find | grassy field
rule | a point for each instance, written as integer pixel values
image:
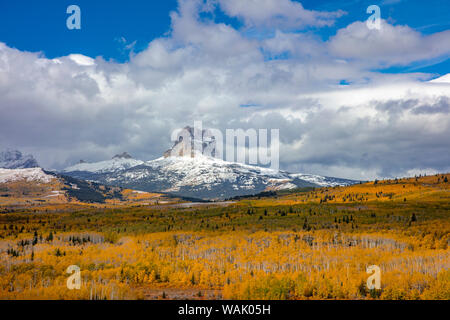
(311, 244)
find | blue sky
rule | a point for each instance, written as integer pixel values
(350, 101)
(40, 25)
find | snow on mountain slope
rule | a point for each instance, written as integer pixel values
(443, 79)
(204, 177)
(202, 170)
(206, 170)
(29, 174)
(201, 177)
(116, 164)
(195, 173)
(321, 180)
(14, 159)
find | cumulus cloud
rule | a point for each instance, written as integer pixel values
(389, 137)
(75, 107)
(280, 14)
(391, 45)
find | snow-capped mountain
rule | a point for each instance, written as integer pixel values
(321, 180)
(14, 159)
(196, 177)
(184, 173)
(29, 174)
(117, 163)
(192, 142)
(444, 79)
(37, 186)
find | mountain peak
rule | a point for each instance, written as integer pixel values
(14, 159)
(192, 142)
(123, 155)
(442, 79)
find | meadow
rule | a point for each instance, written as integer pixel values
(308, 244)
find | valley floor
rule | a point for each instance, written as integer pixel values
(307, 245)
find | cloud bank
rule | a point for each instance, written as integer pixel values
(377, 125)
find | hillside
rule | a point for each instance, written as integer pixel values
(306, 244)
(422, 188)
(34, 187)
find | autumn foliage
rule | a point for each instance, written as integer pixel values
(295, 246)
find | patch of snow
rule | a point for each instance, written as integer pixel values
(285, 186)
(55, 193)
(321, 180)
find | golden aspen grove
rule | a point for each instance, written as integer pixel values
(307, 244)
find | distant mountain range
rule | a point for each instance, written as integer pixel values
(14, 159)
(179, 173)
(194, 175)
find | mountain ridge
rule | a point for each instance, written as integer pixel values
(118, 162)
(14, 159)
(200, 177)
(39, 187)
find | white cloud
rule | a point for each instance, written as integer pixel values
(391, 45)
(75, 107)
(280, 14)
(81, 59)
